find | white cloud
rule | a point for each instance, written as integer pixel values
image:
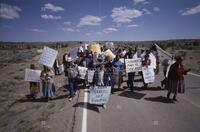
(191, 11)
(9, 11)
(36, 30)
(45, 16)
(52, 7)
(132, 25)
(99, 33)
(146, 11)
(67, 23)
(140, 1)
(88, 34)
(125, 15)
(110, 30)
(90, 20)
(156, 9)
(67, 29)
(77, 30)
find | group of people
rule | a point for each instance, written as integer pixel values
(108, 71)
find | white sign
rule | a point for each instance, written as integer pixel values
(133, 65)
(109, 45)
(153, 60)
(99, 94)
(48, 56)
(82, 71)
(90, 75)
(32, 75)
(148, 74)
(73, 53)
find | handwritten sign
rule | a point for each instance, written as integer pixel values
(73, 53)
(109, 53)
(48, 56)
(99, 94)
(90, 75)
(82, 71)
(32, 75)
(148, 74)
(133, 65)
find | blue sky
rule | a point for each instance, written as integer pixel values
(90, 20)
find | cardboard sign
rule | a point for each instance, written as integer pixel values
(148, 74)
(90, 75)
(48, 57)
(95, 48)
(82, 71)
(99, 94)
(109, 53)
(32, 75)
(133, 65)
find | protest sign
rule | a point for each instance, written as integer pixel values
(109, 45)
(148, 74)
(95, 48)
(48, 56)
(153, 60)
(82, 71)
(32, 75)
(99, 94)
(109, 53)
(73, 53)
(133, 65)
(90, 75)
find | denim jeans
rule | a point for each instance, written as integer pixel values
(72, 86)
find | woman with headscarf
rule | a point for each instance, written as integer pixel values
(176, 82)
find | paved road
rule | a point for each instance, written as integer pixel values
(145, 110)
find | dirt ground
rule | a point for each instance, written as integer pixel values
(17, 113)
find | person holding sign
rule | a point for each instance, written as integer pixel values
(146, 62)
(130, 55)
(48, 82)
(101, 78)
(34, 86)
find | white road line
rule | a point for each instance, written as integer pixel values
(84, 119)
(197, 75)
(196, 105)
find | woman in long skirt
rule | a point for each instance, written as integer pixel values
(176, 82)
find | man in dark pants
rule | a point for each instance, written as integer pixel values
(129, 55)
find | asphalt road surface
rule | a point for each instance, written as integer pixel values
(145, 110)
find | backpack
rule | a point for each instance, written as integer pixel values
(72, 72)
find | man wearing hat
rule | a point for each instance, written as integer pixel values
(71, 72)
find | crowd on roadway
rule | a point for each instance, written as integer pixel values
(109, 70)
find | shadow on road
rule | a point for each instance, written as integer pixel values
(159, 99)
(134, 95)
(87, 106)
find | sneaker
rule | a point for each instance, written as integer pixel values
(104, 106)
(70, 99)
(75, 93)
(175, 99)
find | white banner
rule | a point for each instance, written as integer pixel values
(32, 75)
(148, 74)
(82, 71)
(99, 94)
(90, 75)
(48, 56)
(133, 65)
